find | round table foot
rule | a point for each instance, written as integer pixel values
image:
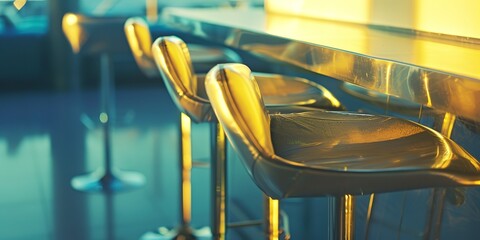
(100, 181)
(184, 233)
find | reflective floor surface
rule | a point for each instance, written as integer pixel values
(47, 138)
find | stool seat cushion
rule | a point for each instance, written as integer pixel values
(342, 141)
(335, 153)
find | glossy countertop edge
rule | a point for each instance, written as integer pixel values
(435, 72)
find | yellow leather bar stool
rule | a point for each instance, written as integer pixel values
(101, 37)
(327, 153)
(282, 93)
(139, 38)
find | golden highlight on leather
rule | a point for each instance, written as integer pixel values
(73, 32)
(360, 153)
(140, 42)
(248, 94)
(181, 65)
(173, 61)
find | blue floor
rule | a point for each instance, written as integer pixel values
(48, 138)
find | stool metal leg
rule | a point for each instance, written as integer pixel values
(368, 221)
(272, 216)
(185, 171)
(343, 224)
(184, 231)
(219, 183)
(106, 179)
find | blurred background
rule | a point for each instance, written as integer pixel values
(49, 133)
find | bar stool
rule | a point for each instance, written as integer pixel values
(139, 39)
(187, 91)
(102, 37)
(326, 153)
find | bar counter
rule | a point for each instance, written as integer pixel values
(437, 71)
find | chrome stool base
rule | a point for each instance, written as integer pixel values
(101, 181)
(183, 233)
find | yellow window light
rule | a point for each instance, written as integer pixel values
(19, 4)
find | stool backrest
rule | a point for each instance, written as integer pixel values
(236, 99)
(139, 39)
(173, 60)
(93, 35)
